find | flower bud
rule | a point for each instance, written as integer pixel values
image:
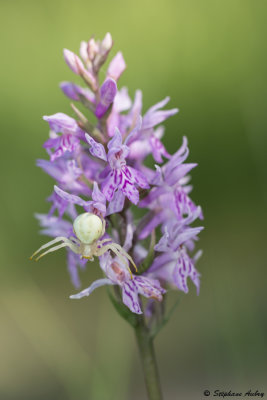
(107, 94)
(73, 61)
(106, 43)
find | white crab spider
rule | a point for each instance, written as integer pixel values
(89, 228)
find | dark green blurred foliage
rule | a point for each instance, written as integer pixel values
(210, 57)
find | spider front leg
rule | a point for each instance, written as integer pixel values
(102, 250)
(121, 249)
(66, 243)
(100, 242)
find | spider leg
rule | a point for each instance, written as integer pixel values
(57, 239)
(103, 226)
(72, 246)
(74, 239)
(103, 249)
(104, 240)
(121, 249)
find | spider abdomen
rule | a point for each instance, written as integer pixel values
(88, 227)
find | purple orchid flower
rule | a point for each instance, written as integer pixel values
(174, 265)
(118, 274)
(169, 198)
(62, 206)
(118, 176)
(66, 143)
(66, 173)
(61, 122)
(96, 206)
(148, 139)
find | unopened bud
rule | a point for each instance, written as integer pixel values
(73, 61)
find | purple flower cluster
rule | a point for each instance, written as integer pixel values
(98, 165)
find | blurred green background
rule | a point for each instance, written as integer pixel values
(210, 57)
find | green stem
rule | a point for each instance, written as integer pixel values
(147, 353)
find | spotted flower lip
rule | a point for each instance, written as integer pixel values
(61, 144)
(119, 176)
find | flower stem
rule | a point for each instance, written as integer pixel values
(147, 353)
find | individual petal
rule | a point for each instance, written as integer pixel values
(107, 94)
(122, 101)
(74, 262)
(96, 149)
(177, 158)
(184, 236)
(116, 66)
(74, 92)
(115, 144)
(164, 242)
(179, 172)
(130, 296)
(153, 196)
(162, 261)
(154, 116)
(183, 204)
(57, 204)
(184, 269)
(135, 129)
(97, 195)
(158, 149)
(116, 204)
(137, 177)
(109, 185)
(149, 288)
(136, 109)
(90, 289)
(71, 198)
(139, 149)
(127, 186)
(52, 169)
(158, 177)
